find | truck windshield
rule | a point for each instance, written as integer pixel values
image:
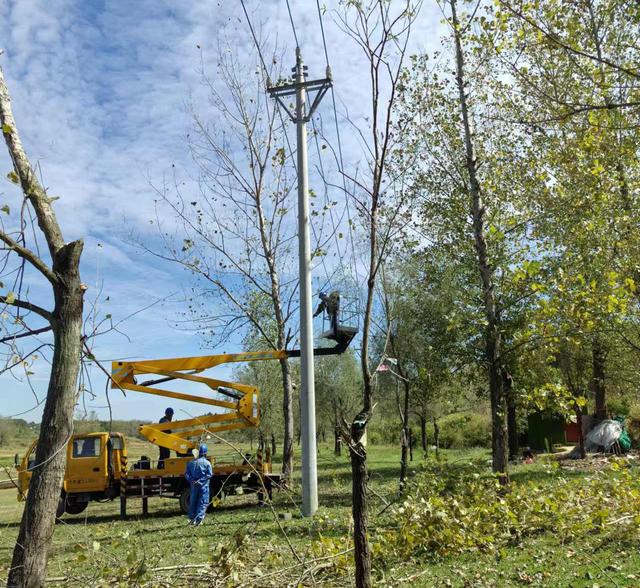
(86, 447)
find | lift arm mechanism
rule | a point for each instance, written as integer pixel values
(240, 403)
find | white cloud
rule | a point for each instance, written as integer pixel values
(99, 91)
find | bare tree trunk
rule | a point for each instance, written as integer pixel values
(29, 563)
(337, 439)
(492, 334)
(512, 421)
(411, 441)
(436, 437)
(580, 422)
(512, 426)
(423, 434)
(357, 451)
(383, 36)
(287, 411)
(274, 444)
(598, 378)
(362, 552)
(405, 435)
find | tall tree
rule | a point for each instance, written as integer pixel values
(425, 340)
(381, 30)
(338, 386)
(485, 267)
(236, 237)
(576, 89)
(62, 274)
(469, 179)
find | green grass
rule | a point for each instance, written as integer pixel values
(97, 544)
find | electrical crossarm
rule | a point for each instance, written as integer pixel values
(239, 401)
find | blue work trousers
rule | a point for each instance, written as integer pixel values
(198, 501)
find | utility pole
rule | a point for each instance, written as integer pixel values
(301, 117)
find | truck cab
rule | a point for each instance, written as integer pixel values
(92, 472)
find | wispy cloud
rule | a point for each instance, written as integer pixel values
(99, 91)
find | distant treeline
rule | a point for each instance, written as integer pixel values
(20, 432)
(13, 431)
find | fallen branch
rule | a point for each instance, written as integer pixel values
(304, 563)
(181, 567)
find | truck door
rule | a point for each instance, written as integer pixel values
(25, 471)
(86, 464)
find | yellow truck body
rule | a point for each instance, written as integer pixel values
(98, 469)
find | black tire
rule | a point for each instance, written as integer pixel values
(75, 508)
(185, 499)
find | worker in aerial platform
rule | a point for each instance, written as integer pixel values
(198, 474)
(164, 452)
(331, 304)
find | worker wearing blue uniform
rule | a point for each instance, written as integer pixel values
(198, 474)
(164, 452)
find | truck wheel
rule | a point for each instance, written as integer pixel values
(74, 508)
(185, 496)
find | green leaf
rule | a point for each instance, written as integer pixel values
(6, 129)
(5, 209)
(13, 177)
(10, 298)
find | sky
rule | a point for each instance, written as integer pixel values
(101, 91)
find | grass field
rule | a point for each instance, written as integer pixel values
(245, 544)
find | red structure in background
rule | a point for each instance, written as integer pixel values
(572, 432)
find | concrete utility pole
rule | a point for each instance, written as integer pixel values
(301, 117)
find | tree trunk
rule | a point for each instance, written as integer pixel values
(598, 378)
(274, 444)
(337, 441)
(404, 457)
(423, 434)
(512, 427)
(583, 451)
(498, 426)
(512, 421)
(287, 411)
(436, 437)
(362, 553)
(411, 442)
(492, 333)
(29, 564)
(404, 436)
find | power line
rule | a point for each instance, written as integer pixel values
(324, 40)
(318, 237)
(340, 156)
(335, 115)
(255, 39)
(293, 26)
(266, 73)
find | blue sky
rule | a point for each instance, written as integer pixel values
(100, 92)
